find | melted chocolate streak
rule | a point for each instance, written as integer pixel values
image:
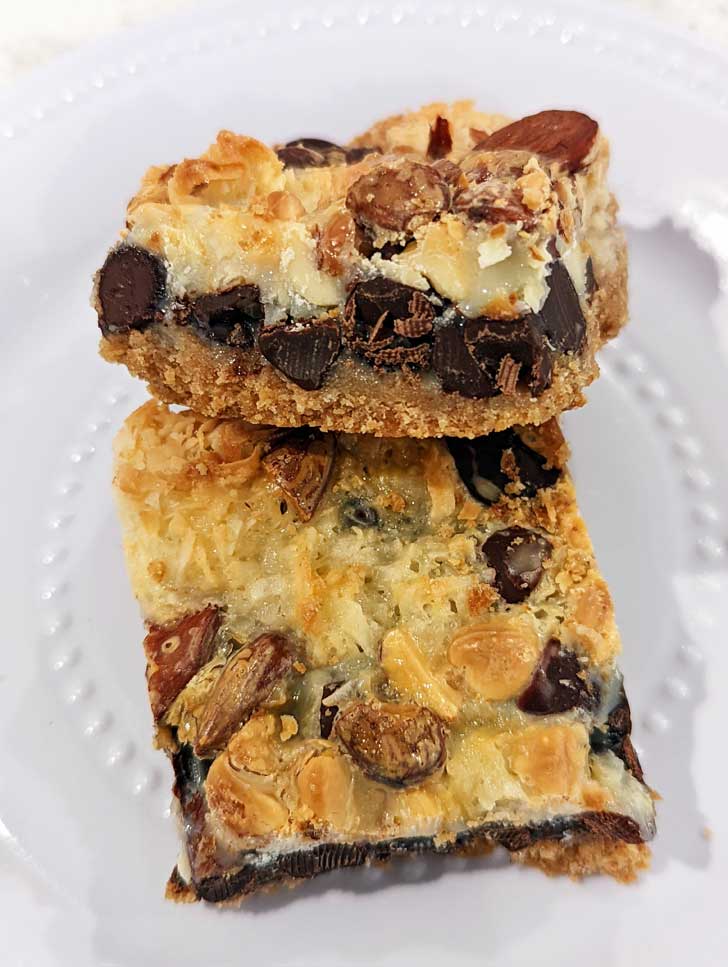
(251, 874)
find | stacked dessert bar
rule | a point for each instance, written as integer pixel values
(375, 622)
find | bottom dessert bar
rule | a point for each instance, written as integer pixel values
(362, 648)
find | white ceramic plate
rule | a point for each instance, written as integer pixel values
(86, 843)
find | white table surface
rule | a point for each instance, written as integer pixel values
(32, 32)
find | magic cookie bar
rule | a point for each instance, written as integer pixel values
(447, 273)
(359, 648)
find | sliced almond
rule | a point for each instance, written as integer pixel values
(564, 136)
(246, 681)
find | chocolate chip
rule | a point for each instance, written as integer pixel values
(302, 351)
(131, 288)
(390, 249)
(398, 197)
(564, 136)
(512, 353)
(327, 713)
(318, 153)
(440, 143)
(482, 467)
(389, 323)
(561, 319)
(357, 512)
(517, 555)
(311, 153)
(558, 684)
(230, 316)
(455, 365)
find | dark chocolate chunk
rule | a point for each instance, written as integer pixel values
(513, 353)
(561, 319)
(389, 323)
(327, 713)
(357, 512)
(228, 317)
(190, 771)
(612, 826)
(390, 249)
(564, 136)
(302, 351)
(440, 143)
(628, 755)
(558, 684)
(455, 365)
(398, 197)
(131, 288)
(517, 555)
(318, 153)
(484, 357)
(614, 736)
(481, 465)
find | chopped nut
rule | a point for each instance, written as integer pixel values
(244, 684)
(253, 748)
(157, 570)
(285, 206)
(289, 727)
